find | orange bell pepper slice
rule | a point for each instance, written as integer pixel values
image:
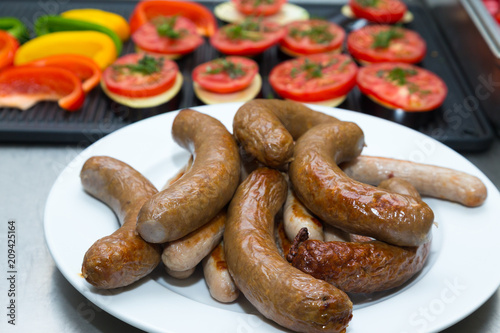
(200, 15)
(23, 86)
(84, 67)
(8, 48)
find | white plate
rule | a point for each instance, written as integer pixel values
(458, 278)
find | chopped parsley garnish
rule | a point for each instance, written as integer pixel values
(384, 38)
(248, 29)
(223, 65)
(399, 76)
(165, 26)
(147, 65)
(318, 34)
(312, 69)
(368, 3)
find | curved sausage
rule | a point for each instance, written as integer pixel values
(346, 204)
(189, 251)
(267, 128)
(358, 267)
(219, 281)
(181, 275)
(429, 180)
(123, 257)
(204, 190)
(280, 292)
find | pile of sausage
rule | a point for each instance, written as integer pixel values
(284, 162)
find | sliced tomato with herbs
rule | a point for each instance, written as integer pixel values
(386, 43)
(200, 15)
(314, 78)
(140, 75)
(402, 86)
(23, 86)
(312, 36)
(225, 75)
(250, 37)
(8, 48)
(84, 67)
(258, 7)
(379, 11)
(173, 35)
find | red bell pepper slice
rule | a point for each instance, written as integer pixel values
(84, 67)
(200, 15)
(8, 47)
(22, 87)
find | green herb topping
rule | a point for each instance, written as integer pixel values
(399, 76)
(318, 34)
(223, 65)
(147, 65)
(312, 69)
(368, 3)
(165, 26)
(384, 38)
(248, 29)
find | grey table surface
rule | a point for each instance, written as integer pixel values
(46, 302)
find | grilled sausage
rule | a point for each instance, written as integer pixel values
(267, 128)
(181, 275)
(296, 216)
(189, 251)
(346, 204)
(429, 180)
(362, 265)
(204, 190)
(123, 257)
(280, 292)
(219, 281)
(358, 267)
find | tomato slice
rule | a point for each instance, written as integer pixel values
(201, 16)
(23, 86)
(379, 11)
(312, 36)
(8, 48)
(385, 43)
(314, 78)
(225, 75)
(258, 7)
(82, 66)
(173, 35)
(402, 86)
(250, 37)
(120, 79)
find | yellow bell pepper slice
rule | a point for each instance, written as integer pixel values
(93, 44)
(110, 20)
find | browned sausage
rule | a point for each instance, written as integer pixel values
(280, 292)
(429, 180)
(123, 257)
(358, 267)
(188, 251)
(267, 128)
(346, 204)
(219, 280)
(206, 187)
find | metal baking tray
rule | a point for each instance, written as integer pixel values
(458, 123)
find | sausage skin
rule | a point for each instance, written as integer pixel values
(123, 257)
(219, 280)
(429, 180)
(358, 267)
(349, 205)
(188, 251)
(267, 128)
(280, 292)
(204, 189)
